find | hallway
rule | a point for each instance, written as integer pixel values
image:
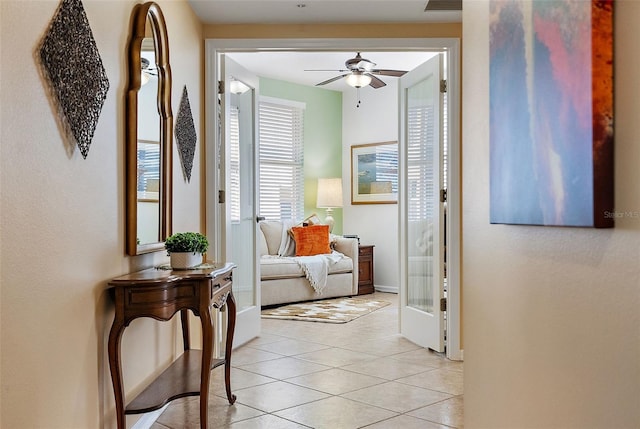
(331, 376)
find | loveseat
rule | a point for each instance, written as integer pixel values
(285, 278)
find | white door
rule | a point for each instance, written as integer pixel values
(238, 174)
(421, 222)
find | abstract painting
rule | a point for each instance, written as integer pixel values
(551, 112)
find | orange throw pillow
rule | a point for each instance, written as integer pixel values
(311, 240)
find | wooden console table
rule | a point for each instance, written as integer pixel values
(160, 294)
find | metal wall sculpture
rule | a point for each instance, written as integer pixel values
(186, 134)
(73, 68)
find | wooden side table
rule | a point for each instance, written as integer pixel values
(160, 294)
(365, 269)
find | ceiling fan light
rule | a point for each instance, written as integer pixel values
(237, 87)
(144, 78)
(358, 79)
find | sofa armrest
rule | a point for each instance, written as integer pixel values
(349, 247)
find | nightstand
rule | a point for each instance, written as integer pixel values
(365, 269)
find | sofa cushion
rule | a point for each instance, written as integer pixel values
(272, 268)
(262, 243)
(311, 240)
(272, 230)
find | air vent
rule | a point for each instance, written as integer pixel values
(442, 5)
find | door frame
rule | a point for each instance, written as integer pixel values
(454, 224)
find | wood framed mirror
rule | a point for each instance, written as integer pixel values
(148, 128)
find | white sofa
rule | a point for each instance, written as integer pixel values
(283, 280)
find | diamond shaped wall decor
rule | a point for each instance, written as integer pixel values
(186, 134)
(73, 68)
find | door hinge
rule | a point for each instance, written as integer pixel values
(443, 85)
(221, 87)
(443, 304)
(221, 197)
(443, 195)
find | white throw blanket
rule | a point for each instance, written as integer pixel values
(316, 268)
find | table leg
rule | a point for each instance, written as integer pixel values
(184, 320)
(205, 369)
(231, 326)
(115, 365)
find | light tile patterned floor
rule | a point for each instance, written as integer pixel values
(320, 375)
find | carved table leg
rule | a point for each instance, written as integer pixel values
(184, 320)
(205, 369)
(231, 326)
(115, 365)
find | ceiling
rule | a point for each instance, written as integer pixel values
(325, 11)
(291, 66)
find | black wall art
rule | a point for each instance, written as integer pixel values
(186, 134)
(73, 68)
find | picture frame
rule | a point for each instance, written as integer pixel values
(374, 173)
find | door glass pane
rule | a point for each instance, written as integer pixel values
(240, 197)
(422, 189)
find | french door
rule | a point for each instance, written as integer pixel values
(421, 222)
(238, 160)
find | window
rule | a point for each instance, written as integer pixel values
(281, 159)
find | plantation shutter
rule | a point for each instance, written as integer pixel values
(234, 164)
(420, 174)
(281, 159)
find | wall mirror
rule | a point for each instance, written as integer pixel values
(148, 125)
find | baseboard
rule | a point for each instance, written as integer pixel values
(147, 420)
(388, 289)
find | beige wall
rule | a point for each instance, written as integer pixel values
(62, 228)
(293, 31)
(552, 332)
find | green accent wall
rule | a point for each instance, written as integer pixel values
(322, 137)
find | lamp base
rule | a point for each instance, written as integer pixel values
(328, 219)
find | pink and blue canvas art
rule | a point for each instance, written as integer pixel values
(551, 112)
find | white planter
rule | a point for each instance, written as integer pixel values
(183, 260)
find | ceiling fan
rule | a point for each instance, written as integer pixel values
(360, 72)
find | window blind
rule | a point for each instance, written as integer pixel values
(281, 161)
(420, 173)
(234, 165)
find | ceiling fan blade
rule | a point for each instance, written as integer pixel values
(383, 72)
(333, 79)
(375, 82)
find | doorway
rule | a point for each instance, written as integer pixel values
(451, 46)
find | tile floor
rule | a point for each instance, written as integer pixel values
(361, 374)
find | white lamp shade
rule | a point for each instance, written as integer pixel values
(358, 80)
(329, 193)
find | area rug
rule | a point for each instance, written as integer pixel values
(338, 310)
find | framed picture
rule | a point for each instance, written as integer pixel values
(374, 173)
(551, 113)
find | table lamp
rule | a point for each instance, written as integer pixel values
(329, 197)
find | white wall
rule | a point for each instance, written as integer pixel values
(551, 315)
(375, 121)
(62, 225)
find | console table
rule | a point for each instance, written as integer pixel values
(160, 294)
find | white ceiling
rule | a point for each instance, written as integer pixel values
(318, 11)
(291, 66)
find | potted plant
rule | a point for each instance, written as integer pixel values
(186, 249)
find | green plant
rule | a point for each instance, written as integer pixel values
(186, 242)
